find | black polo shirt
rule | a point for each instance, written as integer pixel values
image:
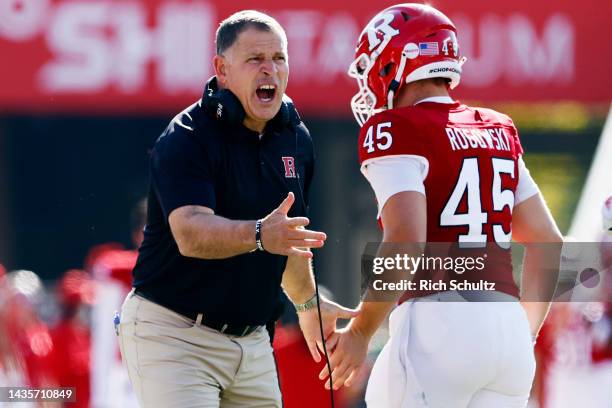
(199, 160)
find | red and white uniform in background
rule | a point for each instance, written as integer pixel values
(71, 359)
(575, 344)
(71, 336)
(602, 328)
(28, 338)
(111, 267)
(12, 371)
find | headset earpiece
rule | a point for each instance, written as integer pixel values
(289, 113)
(222, 104)
(228, 107)
(283, 113)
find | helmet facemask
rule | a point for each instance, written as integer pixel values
(363, 102)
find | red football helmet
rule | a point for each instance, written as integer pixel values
(402, 44)
(75, 288)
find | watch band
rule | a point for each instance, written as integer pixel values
(309, 304)
(258, 236)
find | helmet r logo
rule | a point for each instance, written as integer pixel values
(383, 26)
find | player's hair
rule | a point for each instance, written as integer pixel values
(230, 28)
(440, 81)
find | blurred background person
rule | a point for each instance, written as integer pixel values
(111, 267)
(11, 365)
(29, 336)
(70, 356)
(575, 347)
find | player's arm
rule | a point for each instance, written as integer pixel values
(534, 226)
(404, 218)
(398, 183)
(199, 233)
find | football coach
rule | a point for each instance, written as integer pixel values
(229, 184)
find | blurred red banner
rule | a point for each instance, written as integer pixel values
(153, 56)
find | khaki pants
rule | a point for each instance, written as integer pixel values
(173, 361)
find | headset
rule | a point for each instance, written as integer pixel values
(224, 106)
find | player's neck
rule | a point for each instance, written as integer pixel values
(417, 91)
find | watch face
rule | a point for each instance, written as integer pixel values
(309, 304)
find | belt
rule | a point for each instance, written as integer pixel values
(239, 330)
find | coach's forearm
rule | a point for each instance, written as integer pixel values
(209, 236)
(298, 281)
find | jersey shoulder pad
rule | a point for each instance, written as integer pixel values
(506, 122)
(493, 116)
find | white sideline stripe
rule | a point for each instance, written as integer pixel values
(586, 223)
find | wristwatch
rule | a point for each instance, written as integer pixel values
(309, 304)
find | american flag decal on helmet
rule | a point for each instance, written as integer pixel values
(429, 48)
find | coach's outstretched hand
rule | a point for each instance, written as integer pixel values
(309, 323)
(283, 235)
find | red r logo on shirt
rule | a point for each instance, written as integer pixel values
(289, 163)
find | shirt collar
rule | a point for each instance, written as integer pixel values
(437, 99)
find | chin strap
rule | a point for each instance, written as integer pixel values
(395, 83)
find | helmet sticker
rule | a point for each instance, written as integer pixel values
(411, 50)
(376, 25)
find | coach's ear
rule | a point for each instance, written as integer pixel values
(220, 68)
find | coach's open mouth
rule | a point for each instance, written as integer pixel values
(266, 93)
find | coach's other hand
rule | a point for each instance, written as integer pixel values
(283, 235)
(309, 323)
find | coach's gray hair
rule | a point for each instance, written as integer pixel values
(231, 27)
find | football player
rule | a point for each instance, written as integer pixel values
(442, 171)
